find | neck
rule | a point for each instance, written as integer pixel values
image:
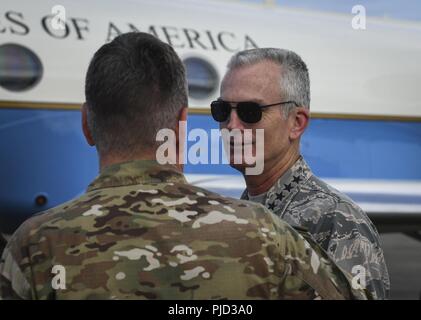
(108, 159)
(273, 170)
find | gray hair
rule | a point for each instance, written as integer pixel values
(295, 81)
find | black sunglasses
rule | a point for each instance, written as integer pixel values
(248, 112)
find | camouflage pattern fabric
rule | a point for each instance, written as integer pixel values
(335, 222)
(142, 232)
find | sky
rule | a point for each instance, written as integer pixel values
(403, 10)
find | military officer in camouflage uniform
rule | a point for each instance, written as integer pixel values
(141, 231)
(269, 89)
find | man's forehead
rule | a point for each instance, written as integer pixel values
(258, 68)
(261, 76)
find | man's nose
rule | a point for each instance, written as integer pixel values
(234, 121)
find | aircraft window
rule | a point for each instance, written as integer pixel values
(20, 68)
(202, 78)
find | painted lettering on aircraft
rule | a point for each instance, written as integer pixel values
(77, 28)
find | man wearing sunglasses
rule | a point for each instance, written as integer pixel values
(269, 89)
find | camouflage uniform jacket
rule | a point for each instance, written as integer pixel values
(334, 221)
(142, 232)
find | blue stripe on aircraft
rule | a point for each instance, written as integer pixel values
(357, 149)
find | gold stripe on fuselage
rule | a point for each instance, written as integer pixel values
(205, 111)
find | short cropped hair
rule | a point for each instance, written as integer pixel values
(135, 86)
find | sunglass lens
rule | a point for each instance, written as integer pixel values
(220, 110)
(249, 112)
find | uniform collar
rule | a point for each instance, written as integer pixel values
(136, 172)
(286, 186)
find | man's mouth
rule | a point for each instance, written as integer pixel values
(242, 144)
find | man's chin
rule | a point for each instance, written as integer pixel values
(241, 167)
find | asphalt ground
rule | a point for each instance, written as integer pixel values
(403, 258)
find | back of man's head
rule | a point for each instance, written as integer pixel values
(135, 86)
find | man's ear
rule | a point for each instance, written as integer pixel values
(300, 119)
(180, 134)
(182, 116)
(85, 128)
